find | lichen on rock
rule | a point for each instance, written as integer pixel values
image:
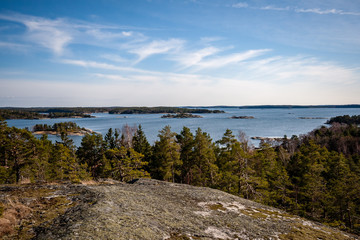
(151, 209)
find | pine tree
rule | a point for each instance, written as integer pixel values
(186, 142)
(18, 152)
(140, 143)
(126, 164)
(205, 170)
(91, 152)
(42, 156)
(110, 140)
(166, 163)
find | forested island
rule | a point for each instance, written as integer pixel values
(316, 176)
(154, 110)
(68, 128)
(346, 119)
(29, 114)
(181, 115)
(42, 113)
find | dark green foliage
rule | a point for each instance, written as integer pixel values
(181, 115)
(18, 114)
(316, 176)
(345, 119)
(91, 152)
(78, 112)
(126, 164)
(17, 153)
(67, 115)
(111, 139)
(166, 163)
(186, 142)
(340, 138)
(58, 127)
(141, 145)
(205, 169)
(30, 113)
(143, 110)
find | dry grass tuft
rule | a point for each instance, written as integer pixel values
(25, 181)
(14, 212)
(89, 182)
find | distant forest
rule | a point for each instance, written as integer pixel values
(79, 112)
(316, 176)
(85, 112)
(301, 106)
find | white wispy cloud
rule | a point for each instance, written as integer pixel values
(298, 10)
(14, 46)
(235, 58)
(275, 8)
(110, 77)
(50, 34)
(57, 34)
(193, 58)
(326, 11)
(272, 80)
(240, 5)
(101, 65)
(157, 47)
(113, 58)
(301, 69)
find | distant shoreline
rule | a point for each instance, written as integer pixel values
(211, 106)
(281, 106)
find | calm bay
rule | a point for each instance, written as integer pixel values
(275, 122)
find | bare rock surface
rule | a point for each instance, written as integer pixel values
(151, 209)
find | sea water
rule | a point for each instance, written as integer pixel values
(266, 122)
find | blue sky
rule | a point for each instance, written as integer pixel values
(178, 53)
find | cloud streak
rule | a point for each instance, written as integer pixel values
(157, 47)
(51, 34)
(57, 34)
(326, 11)
(240, 5)
(297, 9)
(207, 59)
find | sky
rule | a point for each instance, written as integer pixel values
(179, 52)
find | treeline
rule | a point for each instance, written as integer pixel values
(153, 110)
(67, 115)
(316, 176)
(29, 114)
(18, 114)
(345, 119)
(40, 113)
(299, 106)
(62, 127)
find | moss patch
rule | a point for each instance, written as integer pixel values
(300, 232)
(216, 207)
(1, 209)
(178, 236)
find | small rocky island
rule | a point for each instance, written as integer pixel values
(242, 117)
(181, 115)
(312, 118)
(69, 128)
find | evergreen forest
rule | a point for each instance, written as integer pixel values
(316, 175)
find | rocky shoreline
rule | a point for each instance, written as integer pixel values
(82, 132)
